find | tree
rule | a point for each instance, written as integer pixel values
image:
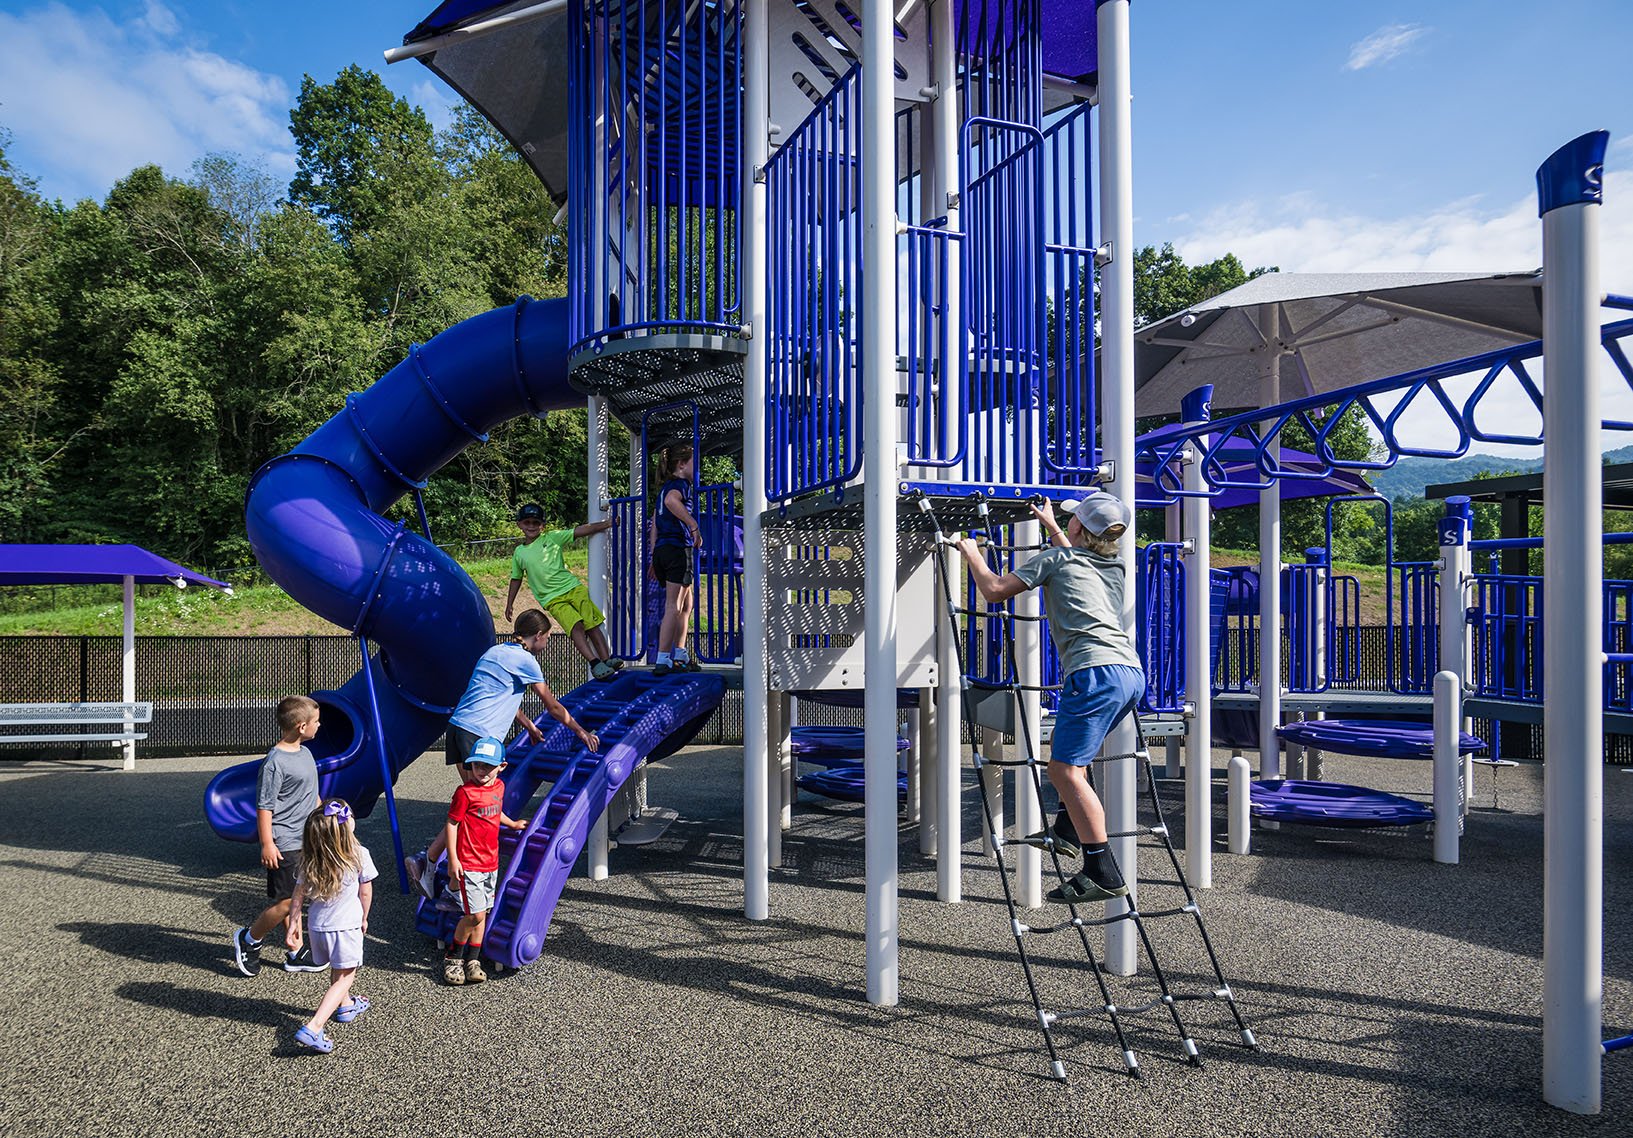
(1164, 284)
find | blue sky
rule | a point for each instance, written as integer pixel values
(1340, 131)
(1315, 136)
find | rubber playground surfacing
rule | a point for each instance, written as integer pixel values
(1391, 996)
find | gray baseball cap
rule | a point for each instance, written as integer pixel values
(1099, 512)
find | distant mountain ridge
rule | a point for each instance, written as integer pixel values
(1409, 476)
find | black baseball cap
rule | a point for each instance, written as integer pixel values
(530, 512)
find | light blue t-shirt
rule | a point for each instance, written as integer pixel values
(489, 704)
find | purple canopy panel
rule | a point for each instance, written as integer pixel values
(93, 564)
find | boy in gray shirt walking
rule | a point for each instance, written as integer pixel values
(1103, 678)
(285, 794)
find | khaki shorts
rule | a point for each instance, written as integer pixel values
(574, 607)
(476, 891)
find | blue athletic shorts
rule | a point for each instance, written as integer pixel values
(1091, 703)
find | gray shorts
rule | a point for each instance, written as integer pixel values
(342, 948)
(476, 891)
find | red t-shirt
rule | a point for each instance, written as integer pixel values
(476, 810)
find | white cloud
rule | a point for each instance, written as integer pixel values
(1298, 234)
(89, 98)
(1383, 45)
(435, 100)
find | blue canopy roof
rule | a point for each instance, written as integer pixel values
(93, 564)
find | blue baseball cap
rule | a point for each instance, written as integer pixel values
(488, 751)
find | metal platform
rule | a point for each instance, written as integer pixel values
(668, 370)
(956, 506)
(1391, 703)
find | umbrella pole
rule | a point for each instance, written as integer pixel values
(1270, 566)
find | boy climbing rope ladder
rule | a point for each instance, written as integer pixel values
(1083, 587)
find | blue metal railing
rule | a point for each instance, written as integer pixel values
(718, 613)
(1417, 616)
(1319, 415)
(814, 218)
(1159, 626)
(1070, 452)
(1506, 624)
(1237, 668)
(654, 134)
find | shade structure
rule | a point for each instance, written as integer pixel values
(1239, 459)
(516, 75)
(1334, 330)
(94, 564)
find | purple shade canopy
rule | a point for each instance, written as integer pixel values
(1240, 463)
(91, 565)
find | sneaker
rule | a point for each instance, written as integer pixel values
(603, 671)
(302, 961)
(689, 664)
(349, 1011)
(453, 971)
(421, 875)
(246, 955)
(474, 973)
(448, 901)
(662, 668)
(318, 1041)
(1065, 844)
(1081, 889)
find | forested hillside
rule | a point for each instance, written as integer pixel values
(158, 346)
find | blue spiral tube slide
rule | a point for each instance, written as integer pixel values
(314, 521)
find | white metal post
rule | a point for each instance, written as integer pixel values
(1448, 789)
(127, 667)
(756, 766)
(879, 494)
(1117, 413)
(929, 728)
(777, 736)
(1198, 676)
(1569, 190)
(1028, 725)
(949, 777)
(1455, 570)
(596, 580)
(1270, 565)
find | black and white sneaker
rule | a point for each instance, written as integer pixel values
(302, 961)
(246, 954)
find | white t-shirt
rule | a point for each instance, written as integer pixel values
(344, 910)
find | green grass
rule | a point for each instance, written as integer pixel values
(253, 610)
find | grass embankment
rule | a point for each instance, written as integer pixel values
(266, 610)
(257, 610)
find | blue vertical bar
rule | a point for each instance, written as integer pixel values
(386, 777)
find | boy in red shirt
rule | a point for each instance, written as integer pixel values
(474, 818)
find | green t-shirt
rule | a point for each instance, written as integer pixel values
(540, 563)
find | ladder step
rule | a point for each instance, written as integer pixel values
(996, 614)
(1158, 914)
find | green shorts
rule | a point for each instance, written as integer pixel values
(574, 607)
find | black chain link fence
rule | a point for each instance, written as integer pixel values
(215, 695)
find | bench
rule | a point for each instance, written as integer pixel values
(74, 715)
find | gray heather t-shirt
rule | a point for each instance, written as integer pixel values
(1083, 598)
(287, 786)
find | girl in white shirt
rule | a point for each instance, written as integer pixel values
(337, 877)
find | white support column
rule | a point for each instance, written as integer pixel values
(879, 496)
(1028, 724)
(1455, 569)
(777, 734)
(929, 736)
(1198, 676)
(949, 742)
(596, 579)
(1569, 189)
(1447, 785)
(1117, 412)
(127, 666)
(756, 766)
(1270, 564)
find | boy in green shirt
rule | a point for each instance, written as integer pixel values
(558, 591)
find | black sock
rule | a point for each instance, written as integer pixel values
(1101, 866)
(456, 951)
(1063, 825)
(473, 950)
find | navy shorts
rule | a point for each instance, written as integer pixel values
(672, 564)
(1092, 701)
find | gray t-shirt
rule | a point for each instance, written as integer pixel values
(1083, 598)
(287, 786)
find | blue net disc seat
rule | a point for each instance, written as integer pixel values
(831, 746)
(1334, 804)
(845, 781)
(1377, 738)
